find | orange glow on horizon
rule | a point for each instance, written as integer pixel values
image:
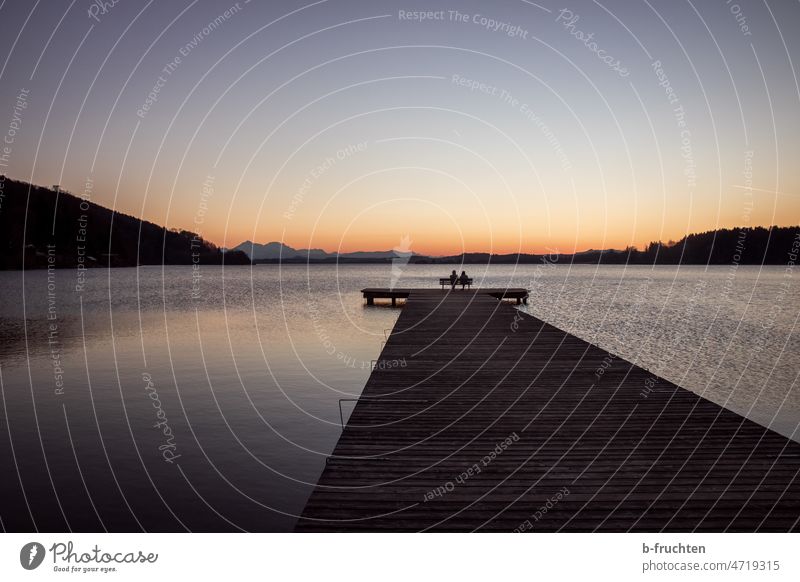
(436, 247)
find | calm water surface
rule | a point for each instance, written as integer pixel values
(159, 400)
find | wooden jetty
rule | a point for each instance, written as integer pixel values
(497, 421)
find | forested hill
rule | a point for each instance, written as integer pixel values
(746, 246)
(83, 232)
(776, 245)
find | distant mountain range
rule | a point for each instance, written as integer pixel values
(276, 252)
(740, 246)
(728, 246)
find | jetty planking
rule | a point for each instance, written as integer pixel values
(499, 421)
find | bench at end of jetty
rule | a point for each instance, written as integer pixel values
(446, 281)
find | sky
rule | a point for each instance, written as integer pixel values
(475, 126)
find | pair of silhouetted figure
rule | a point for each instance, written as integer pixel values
(455, 279)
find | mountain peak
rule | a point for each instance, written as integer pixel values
(278, 250)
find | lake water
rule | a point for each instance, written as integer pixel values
(158, 400)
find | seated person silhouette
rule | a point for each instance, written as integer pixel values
(463, 279)
(453, 279)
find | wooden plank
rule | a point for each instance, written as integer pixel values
(499, 421)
